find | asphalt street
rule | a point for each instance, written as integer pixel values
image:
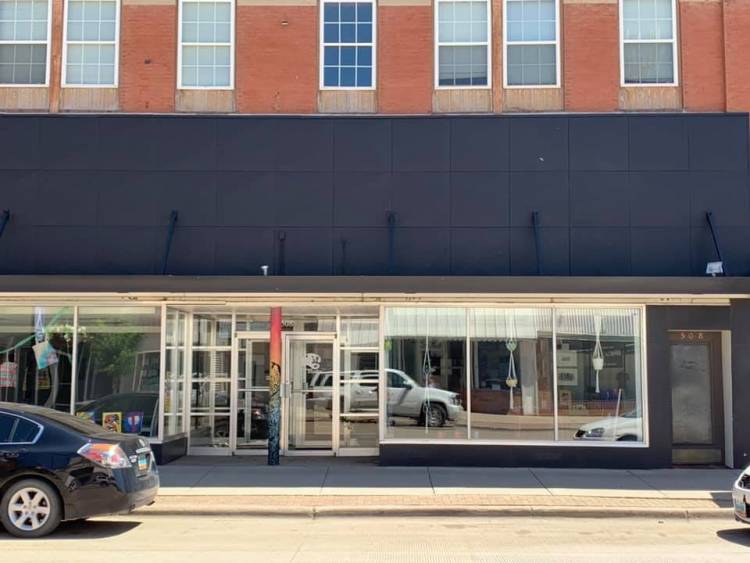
(386, 539)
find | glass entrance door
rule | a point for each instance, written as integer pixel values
(310, 374)
(251, 420)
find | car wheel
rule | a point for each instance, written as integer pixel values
(434, 414)
(30, 509)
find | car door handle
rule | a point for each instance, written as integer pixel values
(8, 455)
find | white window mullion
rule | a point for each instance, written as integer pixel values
(25, 27)
(348, 57)
(455, 63)
(648, 43)
(205, 54)
(91, 27)
(531, 44)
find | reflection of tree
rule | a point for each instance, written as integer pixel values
(113, 356)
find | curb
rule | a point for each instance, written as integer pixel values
(452, 511)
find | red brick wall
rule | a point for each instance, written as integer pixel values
(148, 58)
(405, 59)
(591, 56)
(702, 56)
(277, 65)
(737, 54)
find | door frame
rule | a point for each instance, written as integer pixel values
(286, 391)
(712, 339)
(251, 336)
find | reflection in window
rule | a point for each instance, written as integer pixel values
(599, 374)
(206, 35)
(348, 32)
(531, 42)
(91, 42)
(24, 41)
(36, 354)
(511, 379)
(597, 387)
(176, 372)
(117, 384)
(648, 41)
(463, 42)
(426, 373)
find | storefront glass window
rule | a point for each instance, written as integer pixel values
(599, 380)
(210, 388)
(426, 373)
(598, 386)
(36, 354)
(117, 384)
(511, 374)
(175, 366)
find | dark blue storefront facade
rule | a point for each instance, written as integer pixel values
(512, 210)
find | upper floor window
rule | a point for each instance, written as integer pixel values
(463, 46)
(531, 43)
(348, 53)
(90, 53)
(206, 51)
(648, 42)
(24, 41)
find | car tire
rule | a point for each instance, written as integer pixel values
(41, 515)
(434, 414)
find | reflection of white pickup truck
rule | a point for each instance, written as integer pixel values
(406, 398)
(409, 399)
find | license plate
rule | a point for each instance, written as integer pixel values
(143, 460)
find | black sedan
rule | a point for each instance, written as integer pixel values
(55, 467)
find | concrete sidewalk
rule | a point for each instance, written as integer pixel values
(329, 486)
(212, 476)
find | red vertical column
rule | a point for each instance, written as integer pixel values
(274, 387)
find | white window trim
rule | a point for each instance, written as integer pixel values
(675, 52)
(116, 81)
(373, 44)
(506, 43)
(232, 41)
(49, 49)
(437, 46)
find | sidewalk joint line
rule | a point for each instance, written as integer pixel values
(649, 485)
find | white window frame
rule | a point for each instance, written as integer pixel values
(506, 43)
(116, 81)
(675, 51)
(48, 44)
(437, 45)
(232, 43)
(373, 44)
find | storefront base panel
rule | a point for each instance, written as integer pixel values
(460, 455)
(170, 450)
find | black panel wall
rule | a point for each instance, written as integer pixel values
(616, 194)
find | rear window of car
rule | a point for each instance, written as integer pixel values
(16, 430)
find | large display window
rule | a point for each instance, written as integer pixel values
(534, 375)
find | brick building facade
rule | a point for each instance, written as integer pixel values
(277, 45)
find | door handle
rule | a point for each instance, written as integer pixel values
(8, 455)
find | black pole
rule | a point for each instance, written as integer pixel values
(391, 242)
(715, 237)
(4, 221)
(170, 235)
(537, 241)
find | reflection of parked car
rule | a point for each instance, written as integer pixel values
(408, 399)
(146, 403)
(741, 497)
(54, 467)
(625, 428)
